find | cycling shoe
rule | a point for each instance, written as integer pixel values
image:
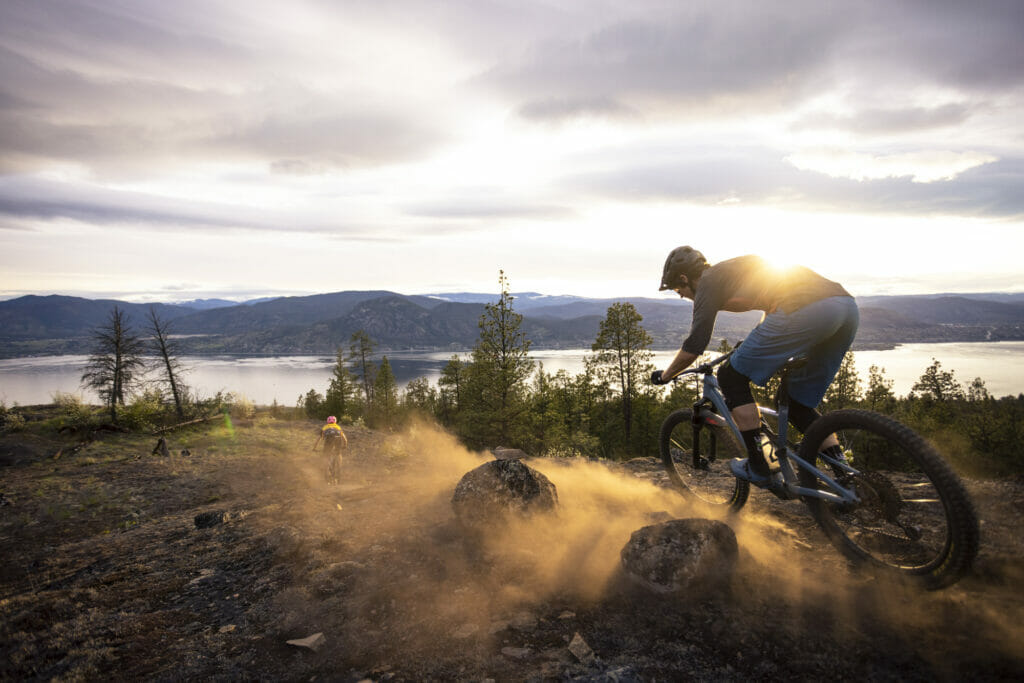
(741, 469)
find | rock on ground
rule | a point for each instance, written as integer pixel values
(681, 555)
(499, 487)
(205, 520)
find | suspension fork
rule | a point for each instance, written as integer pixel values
(701, 462)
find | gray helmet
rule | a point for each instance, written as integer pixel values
(682, 261)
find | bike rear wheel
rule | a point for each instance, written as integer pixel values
(706, 478)
(914, 517)
(334, 468)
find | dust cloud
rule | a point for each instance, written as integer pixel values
(381, 561)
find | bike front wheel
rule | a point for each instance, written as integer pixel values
(704, 474)
(914, 516)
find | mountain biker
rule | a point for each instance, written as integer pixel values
(805, 314)
(334, 440)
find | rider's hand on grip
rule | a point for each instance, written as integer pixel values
(656, 378)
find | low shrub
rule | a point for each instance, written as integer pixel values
(239, 406)
(145, 411)
(11, 421)
(73, 411)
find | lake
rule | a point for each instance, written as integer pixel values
(29, 381)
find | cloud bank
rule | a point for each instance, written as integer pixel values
(384, 122)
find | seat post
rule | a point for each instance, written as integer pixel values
(783, 404)
(783, 395)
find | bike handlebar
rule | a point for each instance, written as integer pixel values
(704, 368)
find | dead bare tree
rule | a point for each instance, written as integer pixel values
(116, 361)
(167, 358)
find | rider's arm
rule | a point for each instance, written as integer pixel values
(344, 439)
(682, 361)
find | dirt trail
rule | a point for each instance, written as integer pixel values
(106, 574)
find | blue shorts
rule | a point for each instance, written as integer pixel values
(823, 331)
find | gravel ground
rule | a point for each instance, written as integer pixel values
(105, 574)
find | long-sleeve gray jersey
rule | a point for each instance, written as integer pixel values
(748, 283)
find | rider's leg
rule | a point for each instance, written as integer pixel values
(822, 332)
(801, 417)
(747, 417)
(736, 390)
(807, 385)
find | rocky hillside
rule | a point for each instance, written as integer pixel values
(237, 561)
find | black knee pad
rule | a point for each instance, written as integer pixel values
(801, 417)
(735, 387)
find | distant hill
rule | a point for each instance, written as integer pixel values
(60, 317)
(282, 312)
(950, 309)
(206, 304)
(397, 322)
(1003, 297)
(522, 301)
(320, 323)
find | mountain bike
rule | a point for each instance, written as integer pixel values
(332, 451)
(334, 467)
(889, 502)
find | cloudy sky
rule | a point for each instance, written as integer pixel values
(174, 150)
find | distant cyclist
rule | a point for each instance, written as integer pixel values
(805, 315)
(334, 440)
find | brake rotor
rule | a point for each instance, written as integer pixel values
(876, 493)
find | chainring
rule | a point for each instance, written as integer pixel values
(877, 495)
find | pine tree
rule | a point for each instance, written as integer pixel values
(312, 404)
(622, 357)
(361, 349)
(450, 384)
(420, 397)
(495, 396)
(113, 368)
(938, 385)
(384, 407)
(845, 388)
(342, 389)
(879, 395)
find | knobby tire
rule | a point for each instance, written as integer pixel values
(715, 486)
(915, 517)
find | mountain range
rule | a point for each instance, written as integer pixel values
(318, 324)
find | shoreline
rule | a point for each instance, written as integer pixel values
(661, 348)
(264, 378)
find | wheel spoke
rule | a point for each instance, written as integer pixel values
(912, 514)
(709, 479)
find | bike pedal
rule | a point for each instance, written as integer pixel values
(780, 491)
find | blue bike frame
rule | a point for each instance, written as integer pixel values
(712, 394)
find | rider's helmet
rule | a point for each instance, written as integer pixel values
(332, 420)
(682, 261)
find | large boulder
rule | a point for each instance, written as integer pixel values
(681, 556)
(500, 487)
